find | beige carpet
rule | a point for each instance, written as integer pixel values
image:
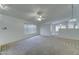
(40, 45)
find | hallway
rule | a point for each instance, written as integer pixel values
(40, 45)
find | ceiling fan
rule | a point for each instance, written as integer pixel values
(4, 7)
(38, 14)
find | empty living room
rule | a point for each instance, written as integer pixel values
(39, 29)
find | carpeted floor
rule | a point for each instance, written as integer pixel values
(41, 45)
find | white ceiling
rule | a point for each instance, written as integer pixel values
(51, 12)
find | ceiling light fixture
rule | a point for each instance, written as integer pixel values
(39, 19)
(40, 16)
(3, 6)
(72, 20)
(72, 17)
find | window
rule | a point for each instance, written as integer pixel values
(30, 28)
(71, 26)
(72, 23)
(63, 27)
(57, 28)
(60, 26)
(77, 26)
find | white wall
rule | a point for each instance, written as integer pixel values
(15, 29)
(45, 30)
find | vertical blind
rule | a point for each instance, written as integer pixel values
(30, 28)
